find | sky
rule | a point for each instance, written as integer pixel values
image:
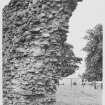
(87, 14)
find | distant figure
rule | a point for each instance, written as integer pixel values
(94, 83)
(83, 83)
(101, 85)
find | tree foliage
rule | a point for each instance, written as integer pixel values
(94, 49)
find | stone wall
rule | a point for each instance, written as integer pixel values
(33, 34)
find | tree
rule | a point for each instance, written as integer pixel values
(94, 49)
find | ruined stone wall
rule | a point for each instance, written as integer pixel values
(33, 34)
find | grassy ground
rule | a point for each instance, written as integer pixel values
(77, 95)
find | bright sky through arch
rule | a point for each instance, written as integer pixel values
(87, 14)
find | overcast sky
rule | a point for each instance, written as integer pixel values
(87, 14)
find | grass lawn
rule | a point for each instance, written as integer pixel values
(77, 95)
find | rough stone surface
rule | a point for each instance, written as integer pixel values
(33, 34)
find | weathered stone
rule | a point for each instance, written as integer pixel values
(33, 34)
